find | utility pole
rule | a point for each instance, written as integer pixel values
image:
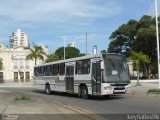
(157, 33)
(86, 44)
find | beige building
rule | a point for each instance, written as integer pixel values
(15, 66)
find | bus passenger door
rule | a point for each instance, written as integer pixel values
(69, 78)
(96, 78)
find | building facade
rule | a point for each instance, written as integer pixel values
(18, 38)
(15, 66)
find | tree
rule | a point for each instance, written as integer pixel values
(146, 43)
(103, 51)
(137, 36)
(70, 52)
(122, 38)
(139, 59)
(1, 64)
(52, 57)
(36, 52)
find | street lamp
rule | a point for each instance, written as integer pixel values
(157, 33)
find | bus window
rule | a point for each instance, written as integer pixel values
(48, 71)
(42, 70)
(55, 69)
(62, 69)
(83, 67)
(36, 71)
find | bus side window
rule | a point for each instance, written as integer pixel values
(48, 71)
(55, 69)
(83, 66)
(42, 71)
(36, 71)
(62, 68)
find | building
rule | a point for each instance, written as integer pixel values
(18, 38)
(71, 44)
(15, 66)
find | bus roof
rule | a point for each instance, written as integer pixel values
(78, 58)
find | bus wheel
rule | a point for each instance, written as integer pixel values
(84, 92)
(47, 89)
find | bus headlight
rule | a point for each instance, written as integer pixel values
(108, 88)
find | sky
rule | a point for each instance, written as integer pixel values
(49, 22)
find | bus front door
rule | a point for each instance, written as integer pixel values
(96, 78)
(69, 79)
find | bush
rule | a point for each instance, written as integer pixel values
(22, 98)
(156, 90)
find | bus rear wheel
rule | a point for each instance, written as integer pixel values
(84, 92)
(47, 89)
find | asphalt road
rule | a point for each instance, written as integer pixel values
(105, 106)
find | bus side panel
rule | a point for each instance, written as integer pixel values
(58, 87)
(82, 79)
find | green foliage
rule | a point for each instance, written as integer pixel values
(82, 54)
(103, 51)
(22, 98)
(52, 57)
(138, 59)
(36, 52)
(137, 36)
(155, 90)
(122, 38)
(70, 52)
(1, 64)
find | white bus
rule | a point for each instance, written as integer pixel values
(98, 75)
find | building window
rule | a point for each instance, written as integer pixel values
(15, 76)
(27, 76)
(21, 76)
(27, 65)
(1, 77)
(21, 65)
(15, 64)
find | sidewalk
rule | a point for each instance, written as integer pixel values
(18, 84)
(37, 105)
(145, 86)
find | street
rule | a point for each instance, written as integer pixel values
(103, 106)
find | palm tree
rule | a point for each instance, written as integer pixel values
(36, 53)
(138, 59)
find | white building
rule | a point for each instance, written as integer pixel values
(18, 38)
(71, 44)
(15, 66)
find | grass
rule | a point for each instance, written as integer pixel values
(155, 90)
(22, 98)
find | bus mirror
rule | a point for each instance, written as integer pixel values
(102, 65)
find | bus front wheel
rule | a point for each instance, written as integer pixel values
(47, 89)
(84, 92)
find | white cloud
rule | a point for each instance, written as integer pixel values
(57, 10)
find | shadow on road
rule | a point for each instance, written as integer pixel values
(67, 95)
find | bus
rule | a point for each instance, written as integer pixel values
(98, 75)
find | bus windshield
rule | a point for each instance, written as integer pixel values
(115, 71)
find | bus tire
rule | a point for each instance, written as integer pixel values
(47, 89)
(84, 92)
